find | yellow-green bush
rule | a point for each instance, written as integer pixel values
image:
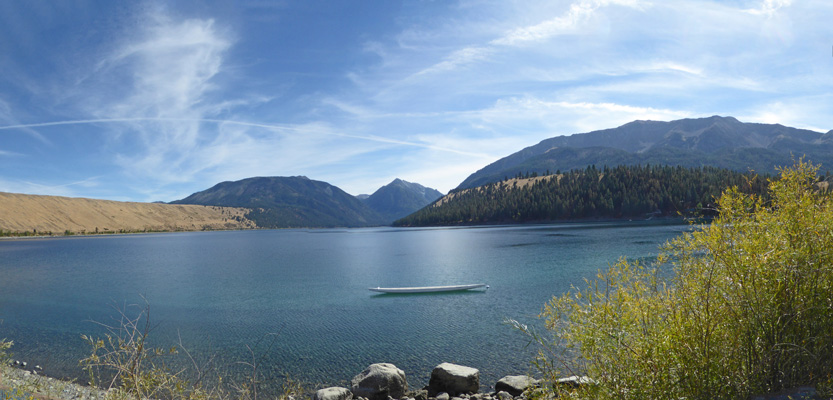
(743, 305)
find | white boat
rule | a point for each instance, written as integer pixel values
(429, 289)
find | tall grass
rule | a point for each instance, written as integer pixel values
(128, 367)
(747, 309)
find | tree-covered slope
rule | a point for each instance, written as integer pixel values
(400, 198)
(716, 141)
(620, 192)
(287, 202)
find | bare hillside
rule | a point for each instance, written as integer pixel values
(29, 213)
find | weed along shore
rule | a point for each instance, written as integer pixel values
(381, 381)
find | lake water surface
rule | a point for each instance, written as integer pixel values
(222, 291)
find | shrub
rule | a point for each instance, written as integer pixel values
(124, 363)
(5, 345)
(741, 306)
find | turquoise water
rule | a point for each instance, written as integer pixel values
(299, 298)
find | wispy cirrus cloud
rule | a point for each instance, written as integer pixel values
(158, 83)
(539, 118)
(570, 22)
(69, 189)
(768, 8)
(7, 116)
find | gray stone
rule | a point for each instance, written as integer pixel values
(504, 396)
(421, 395)
(333, 393)
(515, 384)
(443, 396)
(576, 381)
(379, 381)
(454, 379)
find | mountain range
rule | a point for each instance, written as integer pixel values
(717, 141)
(297, 201)
(283, 202)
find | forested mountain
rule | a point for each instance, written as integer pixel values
(288, 202)
(619, 192)
(715, 141)
(400, 198)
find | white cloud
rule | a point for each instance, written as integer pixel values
(164, 77)
(63, 189)
(806, 113)
(5, 153)
(769, 8)
(578, 13)
(7, 117)
(539, 119)
(459, 58)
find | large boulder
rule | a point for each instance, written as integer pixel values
(515, 384)
(379, 381)
(453, 379)
(333, 393)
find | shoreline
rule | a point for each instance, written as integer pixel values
(110, 234)
(20, 383)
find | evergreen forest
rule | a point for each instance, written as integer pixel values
(641, 191)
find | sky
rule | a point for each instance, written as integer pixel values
(155, 100)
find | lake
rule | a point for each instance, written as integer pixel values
(298, 298)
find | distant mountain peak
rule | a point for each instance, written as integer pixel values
(400, 198)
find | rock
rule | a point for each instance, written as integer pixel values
(379, 381)
(504, 396)
(333, 393)
(576, 381)
(454, 379)
(421, 395)
(443, 396)
(515, 384)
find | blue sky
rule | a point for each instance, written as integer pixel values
(148, 101)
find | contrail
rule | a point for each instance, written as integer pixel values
(241, 123)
